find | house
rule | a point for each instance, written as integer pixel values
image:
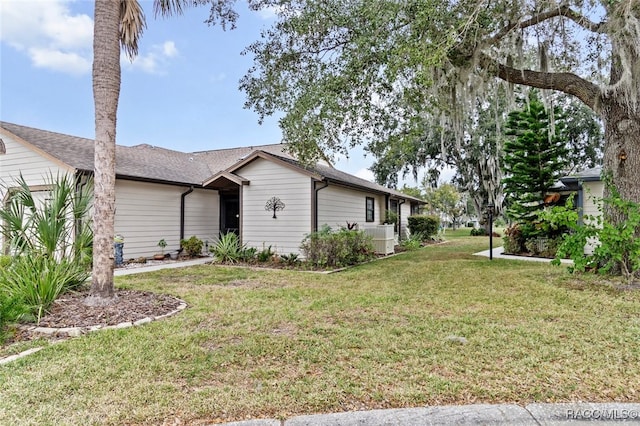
(588, 187)
(170, 195)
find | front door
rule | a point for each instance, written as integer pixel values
(229, 214)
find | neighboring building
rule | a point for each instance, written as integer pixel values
(171, 195)
(588, 187)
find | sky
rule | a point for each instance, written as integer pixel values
(181, 92)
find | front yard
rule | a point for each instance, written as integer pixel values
(433, 326)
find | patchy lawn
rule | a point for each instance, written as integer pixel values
(390, 333)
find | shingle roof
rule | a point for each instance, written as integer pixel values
(585, 175)
(160, 164)
(140, 161)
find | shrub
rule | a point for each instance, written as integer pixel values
(248, 254)
(193, 246)
(513, 240)
(425, 225)
(390, 217)
(478, 232)
(12, 309)
(228, 249)
(414, 242)
(334, 249)
(617, 248)
(57, 227)
(265, 255)
(290, 259)
(37, 280)
(5, 261)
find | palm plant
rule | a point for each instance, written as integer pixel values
(119, 23)
(56, 227)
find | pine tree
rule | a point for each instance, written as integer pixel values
(535, 155)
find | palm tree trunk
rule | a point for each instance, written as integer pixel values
(106, 92)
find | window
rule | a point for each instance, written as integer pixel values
(3, 150)
(370, 209)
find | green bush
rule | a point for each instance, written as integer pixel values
(248, 254)
(425, 225)
(335, 249)
(193, 246)
(478, 232)
(58, 227)
(265, 255)
(513, 240)
(228, 249)
(414, 242)
(37, 280)
(12, 309)
(290, 259)
(5, 261)
(616, 245)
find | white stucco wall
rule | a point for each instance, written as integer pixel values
(338, 205)
(148, 212)
(267, 180)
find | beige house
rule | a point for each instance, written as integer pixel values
(171, 195)
(589, 188)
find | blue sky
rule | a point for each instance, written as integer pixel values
(181, 92)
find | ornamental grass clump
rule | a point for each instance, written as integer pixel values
(37, 280)
(228, 249)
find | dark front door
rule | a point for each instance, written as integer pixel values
(229, 214)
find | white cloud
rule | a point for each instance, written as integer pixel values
(268, 12)
(169, 49)
(49, 33)
(154, 61)
(67, 62)
(365, 173)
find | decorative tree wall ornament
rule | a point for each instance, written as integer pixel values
(274, 204)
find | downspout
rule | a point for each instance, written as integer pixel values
(386, 203)
(400, 203)
(182, 203)
(580, 203)
(314, 213)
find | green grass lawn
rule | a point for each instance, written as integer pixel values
(278, 343)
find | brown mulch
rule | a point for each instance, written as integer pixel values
(70, 311)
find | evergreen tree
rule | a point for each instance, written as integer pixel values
(535, 155)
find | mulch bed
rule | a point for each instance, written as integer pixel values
(70, 311)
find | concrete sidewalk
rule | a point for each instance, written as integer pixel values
(162, 265)
(481, 414)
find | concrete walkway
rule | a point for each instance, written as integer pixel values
(159, 266)
(481, 414)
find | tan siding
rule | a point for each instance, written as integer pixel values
(592, 192)
(259, 229)
(202, 215)
(20, 159)
(148, 212)
(338, 205)
(405, 212)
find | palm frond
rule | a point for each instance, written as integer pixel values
(132, 24)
